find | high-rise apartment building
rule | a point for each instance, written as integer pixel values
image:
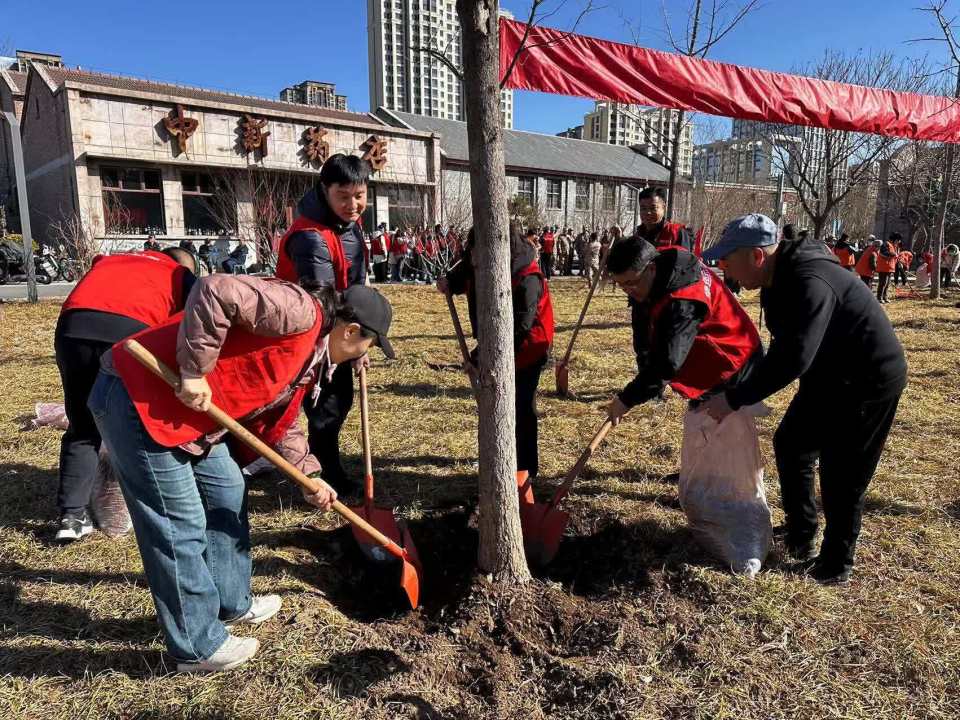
(405, 38)
(649, 130)
(311, 92)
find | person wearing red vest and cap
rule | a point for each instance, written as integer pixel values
(533, 329)
(829, 333)
(696, 337)
(254, 347)
(325, 246)
(120, 295)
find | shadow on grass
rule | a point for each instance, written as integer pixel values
(875, 505)
(27, 494)
(354, 673)
(594, 326)
(59, 661)
(427, 390)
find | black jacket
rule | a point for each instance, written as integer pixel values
(526, 294)
(827, 329)
(308, 249)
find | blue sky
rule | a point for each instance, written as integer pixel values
(260, 47)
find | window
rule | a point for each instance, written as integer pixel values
(525, 189)
(205, 212)
(609, 197)
(554, 194)
(132, 201)
(583, 195)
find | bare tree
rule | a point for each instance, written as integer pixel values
(259, 201)
(947, 28)
(707, 23)
(824, 166)
(501, 540)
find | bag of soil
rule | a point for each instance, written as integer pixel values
(721, 487)
(109, 507)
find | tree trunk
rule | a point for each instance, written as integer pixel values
(940, 230)
(674, 160)
(501, 540)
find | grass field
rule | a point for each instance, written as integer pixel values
(632, 619)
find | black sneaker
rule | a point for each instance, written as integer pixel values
(801, 551)
(830, 575)
(74, 526)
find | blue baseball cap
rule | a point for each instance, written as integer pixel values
(754, 230)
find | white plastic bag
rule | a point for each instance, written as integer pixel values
(721, 487)
(923, 276)
(50, 415)
(109, 507)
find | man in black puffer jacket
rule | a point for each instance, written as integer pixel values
(827, 330)
(325, 246)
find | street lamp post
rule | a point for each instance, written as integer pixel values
(18, 168)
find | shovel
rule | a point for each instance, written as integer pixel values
(461, 339)
(381, 518)
(562, 368)
(542, 523)
(410, 576)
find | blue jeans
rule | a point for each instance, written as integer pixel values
(190, 517)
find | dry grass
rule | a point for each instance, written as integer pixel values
(631, 620)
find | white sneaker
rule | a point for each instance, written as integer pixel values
(234, 652)
(261, 609)
(74, 526)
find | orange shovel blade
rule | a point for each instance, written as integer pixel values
(543, 529)
(384, 521)
(563, 377)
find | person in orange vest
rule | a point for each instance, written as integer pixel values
(120, 295)
(886, 266)
(254, 347)
(325, 246)
(533, 329)
(904, 261)
(846, 252)
(867, 264)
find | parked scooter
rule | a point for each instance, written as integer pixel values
(12, 268)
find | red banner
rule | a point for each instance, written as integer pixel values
(558, 62)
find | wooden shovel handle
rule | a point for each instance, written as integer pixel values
(585, 456)
(365, 434)
(461, 338)
(149, 361)
(586, 304)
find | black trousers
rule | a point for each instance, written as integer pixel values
(324, 420)
(546, 259)
(528, 456)
(380, 271)
(883, 284)
(868, 281)
(900, 275)
(79, 363)
(946, 277)
(848, 438)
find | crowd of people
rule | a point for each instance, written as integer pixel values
(265, 349)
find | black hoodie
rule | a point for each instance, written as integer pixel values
(526, 294)
(309, 251)
(827, 329)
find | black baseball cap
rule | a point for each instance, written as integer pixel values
(373, 312)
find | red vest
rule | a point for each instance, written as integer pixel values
(887, 263)
(537, 343)
(548, 242)
(341, 266)
(863, 264)
(846, 257)
(725, 339)
(146, 286)
(669, 236)
(250, 373)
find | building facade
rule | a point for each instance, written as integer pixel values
(559, 181)
(124, 158)
(806, 145)
(651, 130)
(404, 39)
(753, 162)
(12, 87)
(318, 94)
